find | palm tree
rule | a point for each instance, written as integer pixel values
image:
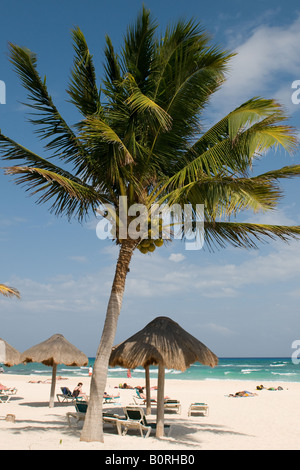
(142, 135)
(9, 291)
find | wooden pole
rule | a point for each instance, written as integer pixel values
(160, 400)
(148, 393)
(53, 382)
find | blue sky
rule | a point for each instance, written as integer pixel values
(239, 303)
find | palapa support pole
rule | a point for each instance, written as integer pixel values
(148, 396)
(160, 400)
(53, 382)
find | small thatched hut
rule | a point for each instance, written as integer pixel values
(164, 343)
(55, 350)
(9, 356)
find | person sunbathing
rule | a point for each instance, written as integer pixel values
(7, 389)
(47, 381)
(107, 396)
(243, 393)
(261, 387)
(125, 385)
(142, 395)
(78, 393)
(3, 387)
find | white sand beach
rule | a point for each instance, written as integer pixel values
(269, 420)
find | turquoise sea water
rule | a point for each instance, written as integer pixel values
(258, 369)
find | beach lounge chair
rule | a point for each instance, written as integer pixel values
(110, 399)
(4, 398)
(138, 400)
(8, 390)
(198, 408)
(79, 415)
(135, 418)
(66, 395)
(113, 419)
(172, 405)
(11, 391)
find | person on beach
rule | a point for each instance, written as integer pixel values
(244, 393)
(90, 371)
(7, 389)
(47, 381)
(77, 392)
(141, 392)
(261, 387)
(125, 385)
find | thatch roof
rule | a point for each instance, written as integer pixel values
(9, 356)
(55, 350)
(162, 341)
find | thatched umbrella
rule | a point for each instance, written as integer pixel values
(164, 343)
(9, 356)
(55, 350)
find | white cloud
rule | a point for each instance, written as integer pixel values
(79, 259)
(275, 217)
(10, 221)
(176, 257)
(267, 61)
(156, 276)
(222, 330)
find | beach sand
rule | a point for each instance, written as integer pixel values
(268, 421)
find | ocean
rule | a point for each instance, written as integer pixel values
(258, 369)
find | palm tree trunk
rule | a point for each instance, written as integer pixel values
(93, 426)
(53, 383)
(148, 391)
(160, 400)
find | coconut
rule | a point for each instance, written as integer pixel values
(151, 248)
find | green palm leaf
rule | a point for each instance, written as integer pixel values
(69, 197)
(138, 49)
(48, 121)
(222, 150)
(140, 103)
(246, 235)
(83, 88)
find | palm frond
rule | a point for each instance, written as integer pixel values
(246, 235)
(95, 131)
(223, 196)
(138, 49)
(231, 144)
(112, 68)
(140, 103)
(9, 291)
(187, 74)
(48, 119)
(69, 196)
(12, 150)
(281, 173)
(83, 87)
